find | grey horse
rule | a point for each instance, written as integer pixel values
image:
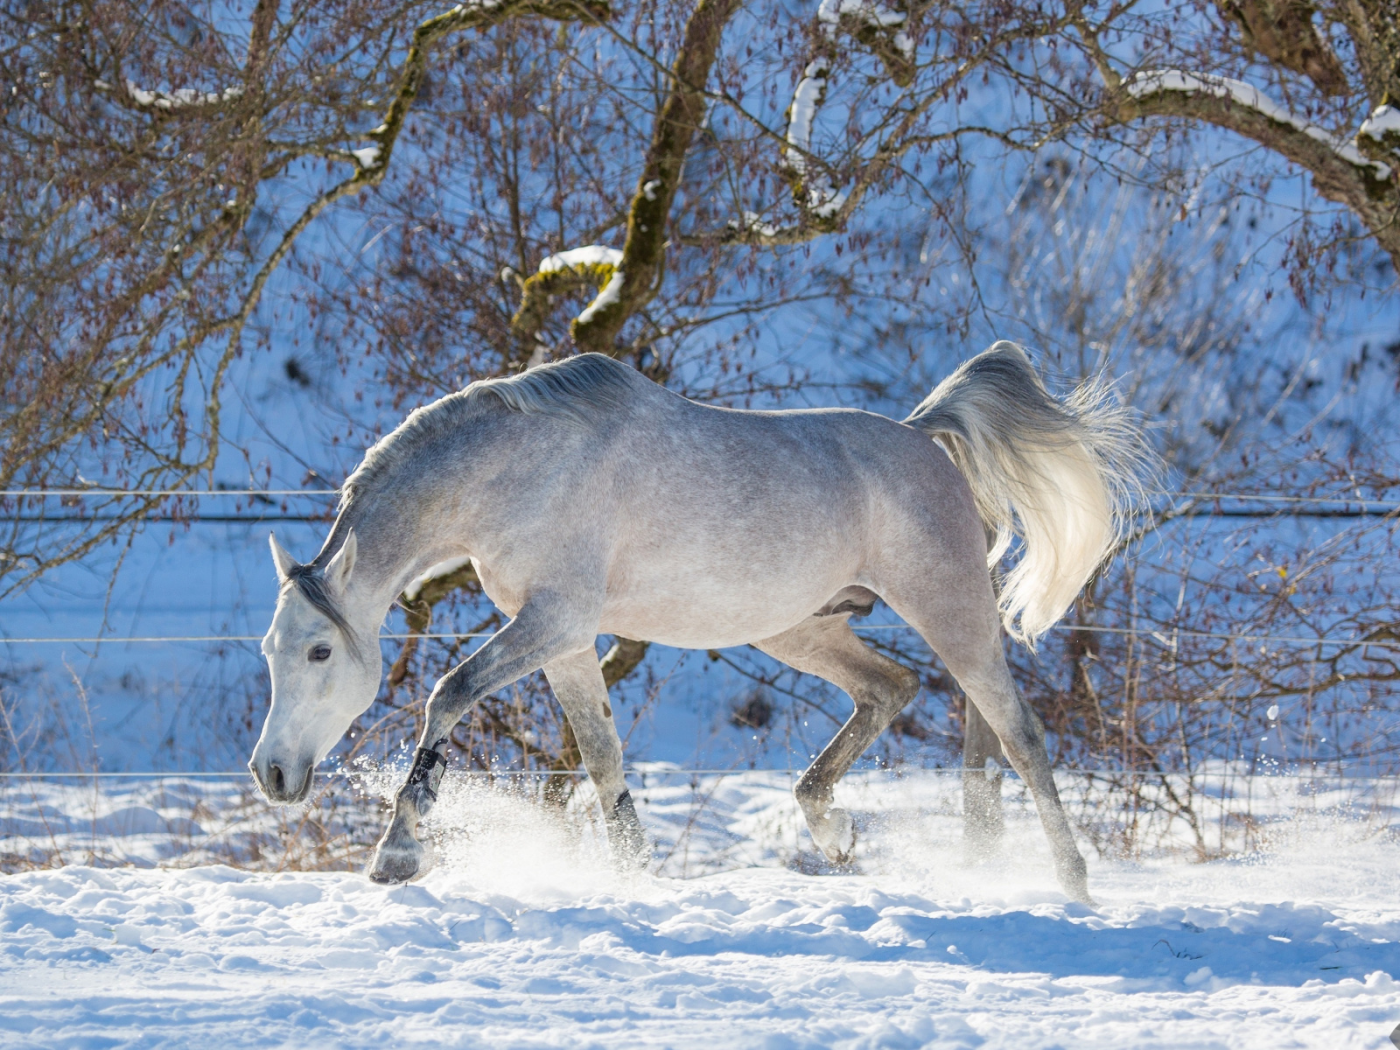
(593, 501)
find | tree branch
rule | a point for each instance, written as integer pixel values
(644, 252)
(1341, 173)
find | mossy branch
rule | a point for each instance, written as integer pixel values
(539, 291)
(644, 252)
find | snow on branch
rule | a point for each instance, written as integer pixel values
(367, 157)
(879, 28)
(587, 256)
(1165, 81)
(562, 273)
(756, 225)
(180, 98)
(595, 261)
(442, 569)
(869, 20)
(818, 195)
(1384, 121)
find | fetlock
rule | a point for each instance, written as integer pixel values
(626, 836)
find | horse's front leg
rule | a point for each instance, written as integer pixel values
(545, 629)
(577, 681)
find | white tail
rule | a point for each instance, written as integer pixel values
(1066, 476)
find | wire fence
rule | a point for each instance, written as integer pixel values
(1262, 497)
(894, 771)
(1295, 506)
(1165, 636)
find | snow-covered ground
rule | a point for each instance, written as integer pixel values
(522, 936)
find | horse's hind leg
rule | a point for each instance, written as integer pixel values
(952, 606)
(827, 647)
(981, 778)
(578, 684)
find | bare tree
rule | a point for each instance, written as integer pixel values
(441, 193)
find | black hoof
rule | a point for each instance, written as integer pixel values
(626, 838)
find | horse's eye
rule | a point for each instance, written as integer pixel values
(321, 652)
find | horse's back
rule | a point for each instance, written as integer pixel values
(736, 521)
(819, 465)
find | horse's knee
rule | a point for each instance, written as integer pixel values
(896, 690)
(813, 794)
(906, 687)
(446, 705)
(1026, 732)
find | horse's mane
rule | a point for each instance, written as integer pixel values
(578, 389)
(310, 582)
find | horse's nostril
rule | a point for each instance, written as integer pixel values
(279, 782)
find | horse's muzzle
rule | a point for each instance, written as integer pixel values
(280, 785)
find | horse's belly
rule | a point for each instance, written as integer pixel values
(714, 618)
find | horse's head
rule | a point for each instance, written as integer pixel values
(324, 664)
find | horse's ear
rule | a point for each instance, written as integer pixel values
(339, 568)
(285, 562)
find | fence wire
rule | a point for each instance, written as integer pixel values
(1321, 501)
(1165, 636)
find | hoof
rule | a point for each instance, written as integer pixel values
(1080, 893)
(627, 840)
(396, 863)
(1074, 880)
(835, 836)
(631, 854)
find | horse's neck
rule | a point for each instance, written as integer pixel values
(394, 545)
(417, 513)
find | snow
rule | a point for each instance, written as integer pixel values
(830, 12)
(442, 568)
(823, 199)
(755, 223)
(367, 157)
(805, 101)
(181, 97)
(522, 936)
(1152, 81)
(1384, 119)
(605, 298)
(589, 255)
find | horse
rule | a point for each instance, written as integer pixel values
(591, 500)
